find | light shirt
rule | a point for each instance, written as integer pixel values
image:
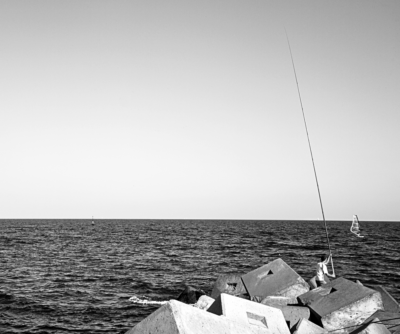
(321, 271)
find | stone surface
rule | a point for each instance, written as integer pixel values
(260, 317)
(190, 295)
(374, 327)
(230, 284)
(279, 301)
(178, 318)
(342, 303)
(391, 320)
(204, 302)
(293, 314)
(307, 327)
(274, 279)
(389, 303)
(314, 295)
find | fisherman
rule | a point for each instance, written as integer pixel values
(322, 270)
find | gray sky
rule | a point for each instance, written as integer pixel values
(189, 109)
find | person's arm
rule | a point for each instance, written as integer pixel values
(326, 261)
(331, 275)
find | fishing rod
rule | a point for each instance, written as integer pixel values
(309, 146)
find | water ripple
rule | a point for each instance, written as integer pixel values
(67, 276)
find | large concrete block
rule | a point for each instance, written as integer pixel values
(204, 302)
(230, 284)
(293, 314)
(307, 327)
(342, 303)
(389, 303)
(374, 327)
(279, 301)
(391, 320)
(314, 295)
(262, 318)
(179, 318)
(274, 279)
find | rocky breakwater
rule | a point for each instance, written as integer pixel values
(274, 299)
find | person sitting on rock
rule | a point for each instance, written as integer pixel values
(322, 270)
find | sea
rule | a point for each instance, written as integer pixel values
(72, 276)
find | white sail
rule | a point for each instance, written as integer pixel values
(355, 227)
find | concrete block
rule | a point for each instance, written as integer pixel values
(274, 279)
(314, 295)
(278, 301)
(230, 284)
(179, 318)
(342, 303)
(293, 314)
(389, 303)
(204, 302)
(307, 327)
(260, 317)
(374, 327)
(391, 320)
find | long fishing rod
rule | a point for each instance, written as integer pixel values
(309, 145)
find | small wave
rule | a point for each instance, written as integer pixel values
(145, 301)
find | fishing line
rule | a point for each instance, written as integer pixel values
(309, 145)
(368, 323)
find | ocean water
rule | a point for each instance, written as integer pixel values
(69, 276)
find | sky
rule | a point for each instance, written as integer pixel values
(190, 110)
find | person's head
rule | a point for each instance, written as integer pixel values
(323, 257)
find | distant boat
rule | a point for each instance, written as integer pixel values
(355, 227)
(92, 221)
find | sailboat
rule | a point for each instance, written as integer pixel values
(92, 221)
(355, 227)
